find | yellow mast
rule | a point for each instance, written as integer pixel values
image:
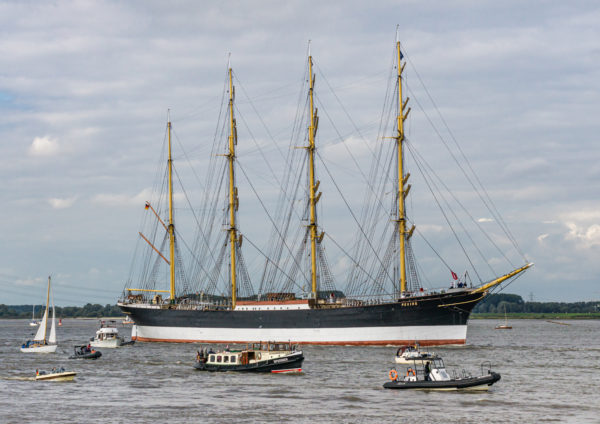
(233, 199)
(313, 186)
(171, 222)
(47, 311)
(402, 179)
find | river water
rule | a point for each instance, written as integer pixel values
(550, 374)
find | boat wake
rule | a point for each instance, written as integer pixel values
(18, 378)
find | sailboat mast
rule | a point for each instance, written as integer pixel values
(47, 303)
(233, 198)
(402, 179)
(171, 227)
(312, 189)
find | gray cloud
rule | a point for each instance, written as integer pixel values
(85, 88)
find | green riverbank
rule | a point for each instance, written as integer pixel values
(533, 315)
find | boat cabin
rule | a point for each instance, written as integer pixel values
(107, 333)
(254, 352)
(427, 370)
(227, 358)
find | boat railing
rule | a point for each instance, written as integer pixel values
(486, 365)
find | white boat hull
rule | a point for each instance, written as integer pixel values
(58, 376)
(39, 349)
(426, 335)
(408, 361)
(107, 344)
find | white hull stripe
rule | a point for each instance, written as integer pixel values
(425, 335)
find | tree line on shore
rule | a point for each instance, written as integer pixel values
(87, 311)
(513, 303)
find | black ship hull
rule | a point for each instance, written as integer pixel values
(430, 320)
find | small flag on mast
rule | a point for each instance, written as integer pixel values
(454, 275)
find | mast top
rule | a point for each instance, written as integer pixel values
(229, 60)
(308, 48)
(397, 33)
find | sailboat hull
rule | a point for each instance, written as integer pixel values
(39, 349)
(430, 320)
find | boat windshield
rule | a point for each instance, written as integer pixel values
(438, 363)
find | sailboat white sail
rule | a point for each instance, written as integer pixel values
(52, 338)
(40, 336)
(39, 343)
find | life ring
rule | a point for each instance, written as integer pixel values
(393, 375)
(410, 371)
(258, 356)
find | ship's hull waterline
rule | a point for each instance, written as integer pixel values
(430, 320)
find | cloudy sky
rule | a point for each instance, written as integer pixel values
(85, 87)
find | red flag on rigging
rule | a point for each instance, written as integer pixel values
(454, 275)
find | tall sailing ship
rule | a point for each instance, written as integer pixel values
(213, 299)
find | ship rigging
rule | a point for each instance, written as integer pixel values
(383, 300)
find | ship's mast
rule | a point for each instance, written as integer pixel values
(47, 312)
(233, 198)
(402, 179)
(171, 227)
(313, 186)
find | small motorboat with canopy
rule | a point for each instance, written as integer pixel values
(432, 375)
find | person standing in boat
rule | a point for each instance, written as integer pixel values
(427, 370)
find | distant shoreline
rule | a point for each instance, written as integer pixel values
(536, 315)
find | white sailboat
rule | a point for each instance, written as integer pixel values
(40, 344)
(504, 326)
(33, 322)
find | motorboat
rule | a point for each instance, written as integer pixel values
(57, 374)
(85, 352)
(407, 354)
(274, 357)
(432, 375)
(108, 336)
(43, 342)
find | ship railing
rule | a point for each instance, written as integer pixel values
(377, 299)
